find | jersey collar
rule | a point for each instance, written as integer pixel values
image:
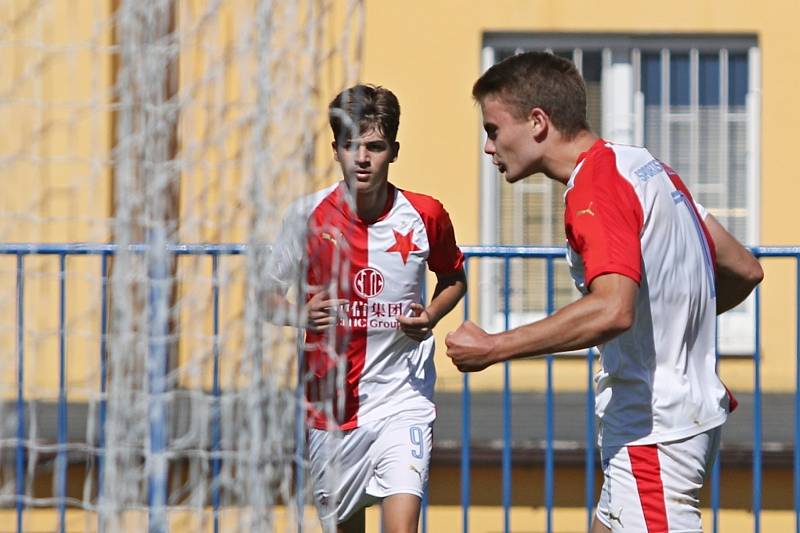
(391, 193)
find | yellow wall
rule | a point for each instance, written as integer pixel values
(54, 170)
(429, 54)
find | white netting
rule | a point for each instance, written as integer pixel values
(157, 122)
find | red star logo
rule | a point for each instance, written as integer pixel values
(403, 244)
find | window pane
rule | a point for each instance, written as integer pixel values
(679, 83)
(592, 72)
(736, 221)
(709, 79)
(592, 65)
(651, 78)
(710, 156)
(566, 54)
(737, 79)
(680, 151)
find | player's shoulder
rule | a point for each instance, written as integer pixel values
(610, 161)
(425, 204)
(306, 204)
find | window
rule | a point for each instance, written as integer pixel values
(692, 100)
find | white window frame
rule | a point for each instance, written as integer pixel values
(623, 119)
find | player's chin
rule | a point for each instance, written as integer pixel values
(512, 177)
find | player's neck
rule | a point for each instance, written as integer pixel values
(562, 158)
(371, 204)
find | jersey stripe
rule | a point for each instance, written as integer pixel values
(647, 473)
(357, 335)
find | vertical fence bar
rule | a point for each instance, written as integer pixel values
(549, 436)
(20, 448)
(61, 454)
(715, 472)
(101, 456)
(506, 401)
(797, 397)
(423, 296)
(300, 430)
(424, 517)
(216, 434)
(466, 437)
(757, 436)
(157, 354)
(590, 444)
(715, 494)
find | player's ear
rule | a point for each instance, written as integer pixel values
(395, 150)
(334, 145)
(539, 122)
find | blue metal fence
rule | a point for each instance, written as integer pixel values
(472, 253)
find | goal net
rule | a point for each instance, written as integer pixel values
(140, 386)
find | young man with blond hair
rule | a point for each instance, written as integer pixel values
(654, 268)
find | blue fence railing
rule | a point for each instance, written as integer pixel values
(473, 254)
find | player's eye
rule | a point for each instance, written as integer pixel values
(376, 146)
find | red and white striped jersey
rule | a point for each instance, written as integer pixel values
(379, 268)
(628, 213)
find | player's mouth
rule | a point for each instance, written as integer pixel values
(363, 174)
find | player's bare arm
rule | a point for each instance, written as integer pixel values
(738, 272)
(447, 293)
(319, 313)
(607, 311)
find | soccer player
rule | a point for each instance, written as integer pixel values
(365, 247)
(655, 269)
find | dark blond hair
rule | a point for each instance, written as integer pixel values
(538, 79)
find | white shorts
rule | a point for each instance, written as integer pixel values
(655, 488)
(356, 468)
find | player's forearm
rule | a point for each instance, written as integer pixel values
(582, 324)
(738, 272)
(734, 287)
(446, 295)
(279, 310)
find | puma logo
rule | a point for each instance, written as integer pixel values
(587, 211)
(617, 517)
(415, 469)
(328, 237)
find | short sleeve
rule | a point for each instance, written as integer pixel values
(604, 219)
(444, 257)
(286, 254)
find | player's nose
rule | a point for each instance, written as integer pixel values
(362, 154)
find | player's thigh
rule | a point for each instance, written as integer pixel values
(341, 468)
(355, 524)
(632, 496)
(598, 526)
(400, 513)
(684, 466)
(655, 487)
(401, 455)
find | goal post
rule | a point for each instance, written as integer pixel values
(154, 146)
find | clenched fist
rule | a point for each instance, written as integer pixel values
(470, 347)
